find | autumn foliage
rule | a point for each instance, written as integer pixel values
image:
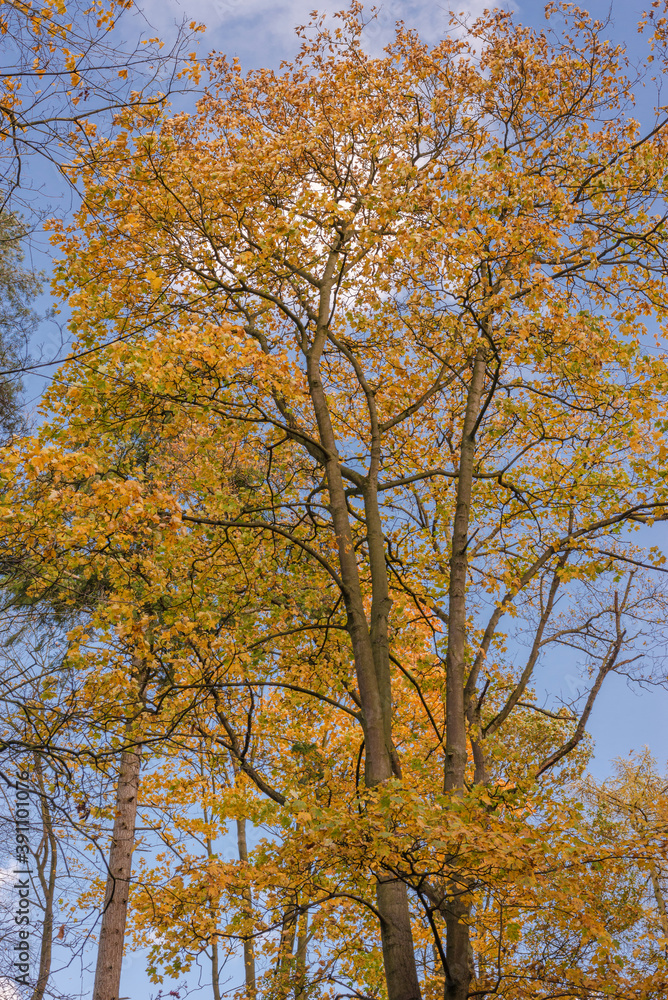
(364, 431)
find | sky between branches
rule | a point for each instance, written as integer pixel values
(262, 33)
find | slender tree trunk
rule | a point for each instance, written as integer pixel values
(215, 950)
(249, 948)
(112, 929)
(455, 746)
(285, 963)
(215, 970)
(458, 948)
(372, 677)
(46, 860)
(300, 955)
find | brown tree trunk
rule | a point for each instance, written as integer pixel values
(457, 952)
(284, 963)
(455, 746)
(458, 974)
(46, 863)
(112, 930)
(300, 955)
(215, 970)
(372, 673)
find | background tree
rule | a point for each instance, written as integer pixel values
(632, 805)
(67, 71)
(18, 288)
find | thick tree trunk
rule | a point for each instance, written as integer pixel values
(46, 862)
(397, 940)
(371, 659)
(112, 930)
(456, 910)
(457, 952)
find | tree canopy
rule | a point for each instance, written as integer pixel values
(365, 422)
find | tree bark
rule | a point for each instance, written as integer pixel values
(215, 970)
(660, 901)
(458, 951)
(47, 855)
(369, 651)
(215, 951)
(249, 950)
(112, 930)
(455, 746)
(456, 910)
(284, 963)
(300, 955)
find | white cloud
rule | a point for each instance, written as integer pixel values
(262, 31)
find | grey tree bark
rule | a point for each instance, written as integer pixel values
(249, 949)
(46, 864)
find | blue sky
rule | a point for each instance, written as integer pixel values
(261, 33)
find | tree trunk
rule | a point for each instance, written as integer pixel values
(660, 901)
(112, 930)
(455, 746)
(46, 857)
(284, 963)
(457, 952)
(249, 949)
(215, 970)
(215, 951)
(370, 655)
(369, 646)
(300, 955)
(458, 947)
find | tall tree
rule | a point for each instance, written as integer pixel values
(633, 805)
(415, 286)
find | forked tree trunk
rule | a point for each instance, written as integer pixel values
(369, 645)
(112, 929)
(456, 909)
